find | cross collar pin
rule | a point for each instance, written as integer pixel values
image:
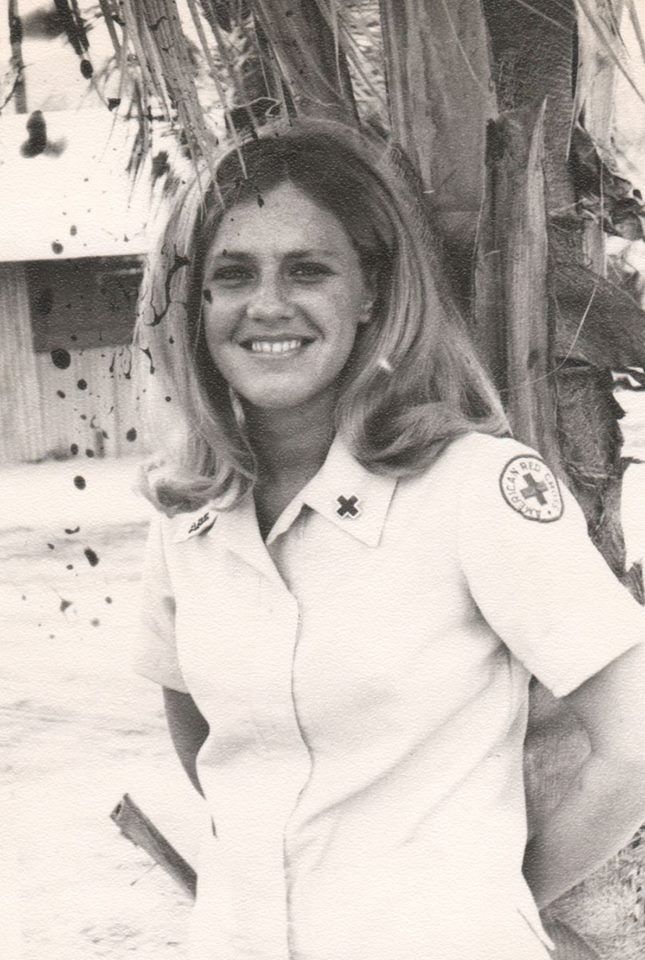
(348, 507)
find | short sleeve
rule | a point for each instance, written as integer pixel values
(155, 655)
(533, 571)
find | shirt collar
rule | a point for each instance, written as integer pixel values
(343, 491)
(348, 495)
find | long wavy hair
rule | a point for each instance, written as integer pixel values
(413, 381)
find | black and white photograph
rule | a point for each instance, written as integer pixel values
(322, 479)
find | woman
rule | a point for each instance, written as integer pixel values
(355, 576)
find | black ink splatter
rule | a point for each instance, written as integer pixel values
(178, 263)
(87, 70)
(208, 296)
(108, 599)
(51, 546)
(64, 604)
(82, 384)
(72, 230)
(70, 566)
(61, 394)
(148, 354)
(92, 557)
(79, 482)
(74, 449)
(131, 434)
(36, 141)
(113, 102)
(61, 358)
(168, 399)
(57, 247)
(71, 530)
(89, 452)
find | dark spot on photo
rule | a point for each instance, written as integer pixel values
(71, 530)
(61, 358)
(82, 384)
(208, 296)
(61, 394)
(168, 399)
(70, 566)
(51, 546)
(95, 622)
(79, 482)
(108, 599)
(64, 604)
(92, 557)
(57, 247)
(131, 434)
(74, 449)
(87, 70)
(73, 231)
(89, 452)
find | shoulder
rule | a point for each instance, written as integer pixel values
(499, 477)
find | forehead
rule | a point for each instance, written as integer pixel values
(283, 218)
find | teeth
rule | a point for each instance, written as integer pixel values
(274, 346)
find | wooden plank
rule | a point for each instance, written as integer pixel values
(21, 433)
(138, 828)
(441, 96)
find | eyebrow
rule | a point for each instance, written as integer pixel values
(291, 254)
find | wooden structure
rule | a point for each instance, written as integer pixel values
(489, 99)
(69, 274)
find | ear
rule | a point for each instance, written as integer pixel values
(367, 306)
(366, 311)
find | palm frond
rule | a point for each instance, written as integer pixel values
(441, 97)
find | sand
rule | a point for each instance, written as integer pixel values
(79, 729)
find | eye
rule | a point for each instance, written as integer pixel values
(232, 275)
(310, 271)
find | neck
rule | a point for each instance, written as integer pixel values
(291, 443)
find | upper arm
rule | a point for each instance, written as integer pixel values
(155, 654)
(611, 707)
(537, 578)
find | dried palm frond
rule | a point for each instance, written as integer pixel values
(441, 97)
(309, 54)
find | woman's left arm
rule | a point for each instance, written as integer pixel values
(605, 803)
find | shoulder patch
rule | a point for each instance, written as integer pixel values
(531, 489)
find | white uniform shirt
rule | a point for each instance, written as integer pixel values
(364, 674)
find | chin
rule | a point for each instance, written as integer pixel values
(279, 400)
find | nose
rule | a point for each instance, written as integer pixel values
(269, 300)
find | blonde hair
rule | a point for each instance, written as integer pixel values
(413, 382)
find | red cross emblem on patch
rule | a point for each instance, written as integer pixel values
(531, 489)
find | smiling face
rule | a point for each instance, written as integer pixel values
(284, 294)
